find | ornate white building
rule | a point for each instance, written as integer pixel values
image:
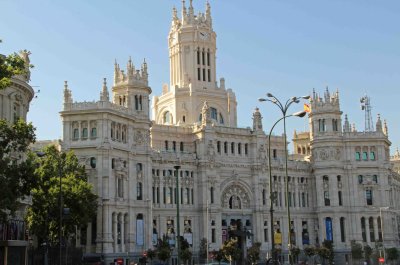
(14, 104)
(339, 178)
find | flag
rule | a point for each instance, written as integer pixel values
(307, 108)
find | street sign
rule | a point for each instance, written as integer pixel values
(381, 260)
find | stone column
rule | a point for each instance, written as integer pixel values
(88, 237)
(114, 231)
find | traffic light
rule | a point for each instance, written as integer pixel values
(119, 261)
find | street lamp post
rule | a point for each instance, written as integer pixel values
(283, 108)
(177, 214)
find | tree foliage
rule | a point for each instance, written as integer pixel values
(203, 249)
(326, 251)
(231, 250)
(253, 253)
(16, 168)
(163, 249)
(10, 66)
(392, 254)
(77, 194)
(356, 250)
(151, 253)
(218, 255)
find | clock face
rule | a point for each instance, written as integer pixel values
(203, 35)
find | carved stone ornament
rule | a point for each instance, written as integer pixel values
(323, 155)
(235, 197)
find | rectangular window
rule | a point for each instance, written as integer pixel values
(166, 145)
(76, 134)
(202, 57)
(164, 195)
(239, 148)
(358, 156)
(158, 194)
(225, 147)
(326, 198)
(174, 146)
(213, 235)
(340, 198)
(208, 58)
(139, 191)
(265, 234)
(120, 187)
(335, 125)
(219, 147)
(365, 156)
(369, 197)
(209, 75)
(198, 74)
(372, 156)
(93, 133)
(246, 151)
(264, 197)
(212, 195)
(371, 229)
(303, 199)
(198, 57)
(274, 153)
(232, 148)
(204, 74)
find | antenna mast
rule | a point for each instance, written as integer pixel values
(366, 107)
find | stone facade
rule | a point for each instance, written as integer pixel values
(339, 178)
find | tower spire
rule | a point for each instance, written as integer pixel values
(184, 13)
(104, 96)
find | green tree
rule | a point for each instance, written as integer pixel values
(253, 253)
(218, 255)
(367, 253)
(356, 250)
(151, 254)
(10, 66)
(310, 252)
(185, 254)
(163, 249)
(326, 251)
(231, 250)
(392, 254)
(203, 249)
(43, 215)
(295, 253)
(16, 169)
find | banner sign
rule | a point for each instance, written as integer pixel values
(139, 232)
(328, 225)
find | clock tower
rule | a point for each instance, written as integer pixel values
(192, 53)
(192, 47)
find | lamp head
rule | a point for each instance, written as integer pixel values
(306, 97)
(270, 95)
(300, 114)
(262, 99)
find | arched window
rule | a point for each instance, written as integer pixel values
(139, 191)
(93, 162)
(214, 115)
(221, 119)
(342, 230)
(363, 229)
(371, 229)
(167, 117)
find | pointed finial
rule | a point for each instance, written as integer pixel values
(174, 13)
(65, 84)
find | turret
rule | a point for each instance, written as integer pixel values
(325, 115)
(346, 126)
(257, 120)
(104, 96)
(131, 89)
(67, 96)
(378, 124)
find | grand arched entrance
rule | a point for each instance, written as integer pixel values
(237, 217)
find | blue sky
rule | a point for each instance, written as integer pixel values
(285, 47)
